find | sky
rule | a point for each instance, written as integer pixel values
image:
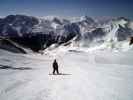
(93, 8)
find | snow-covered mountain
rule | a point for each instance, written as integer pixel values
(89, 32)
(97, 75)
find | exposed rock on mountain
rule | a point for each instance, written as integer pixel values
(39, 33)
(9, 45)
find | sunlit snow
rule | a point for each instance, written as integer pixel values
(99, 75)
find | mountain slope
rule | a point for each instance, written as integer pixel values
(43, 32)
(9, 45)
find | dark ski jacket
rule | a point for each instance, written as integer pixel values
(55, 65)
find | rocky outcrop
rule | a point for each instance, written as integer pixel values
(9, 45)
(131, 41)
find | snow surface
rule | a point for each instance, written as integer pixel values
(99, 75)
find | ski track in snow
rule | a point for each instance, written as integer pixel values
(91, 76)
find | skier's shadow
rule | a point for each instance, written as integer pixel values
(14, 68)
(61, 74)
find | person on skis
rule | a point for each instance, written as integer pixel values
(55, 67)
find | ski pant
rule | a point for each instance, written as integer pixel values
(55, 70)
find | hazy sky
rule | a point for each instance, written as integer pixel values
(67, 7)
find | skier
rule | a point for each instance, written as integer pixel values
(55, 67)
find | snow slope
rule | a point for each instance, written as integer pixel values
(101, 75)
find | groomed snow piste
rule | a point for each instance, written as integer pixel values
(99, 75)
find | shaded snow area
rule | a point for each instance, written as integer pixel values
(101, 75)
